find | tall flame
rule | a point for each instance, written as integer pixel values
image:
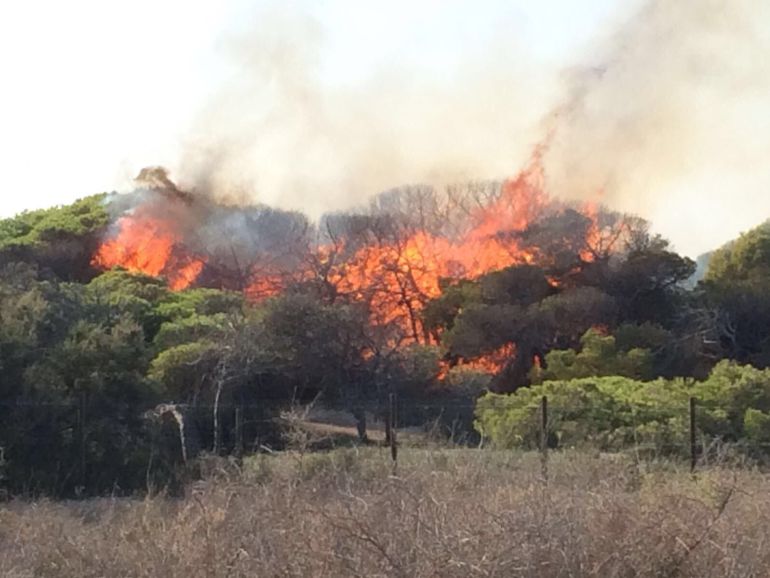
(395, 274)
(149, 244)
(398, 278)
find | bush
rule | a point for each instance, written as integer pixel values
(614, 412)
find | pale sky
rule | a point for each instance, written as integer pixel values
(93, 90)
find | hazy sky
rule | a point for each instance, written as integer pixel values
(93, 90)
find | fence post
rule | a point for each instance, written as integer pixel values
(693, 445)
(392, 429)
(544, 437)
(82, 438)
(238, 432)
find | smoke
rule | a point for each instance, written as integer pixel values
(233, 241)
(668, 119)
(673, 122)
(281, 134)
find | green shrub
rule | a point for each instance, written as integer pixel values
(733, 404)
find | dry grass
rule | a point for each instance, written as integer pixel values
(448, 513)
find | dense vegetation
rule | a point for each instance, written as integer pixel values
(614, 337)
(613, 411)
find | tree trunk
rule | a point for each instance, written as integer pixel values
(360, 416)
(388, 432)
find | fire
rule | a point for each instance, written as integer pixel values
(148, 244)
(594, 237)
(495, 361)
(395, 272)
(395, 275)
(185, 275)
(397, 278)
(521, 202)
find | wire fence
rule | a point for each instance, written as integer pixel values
(545, 418)
(91, 433)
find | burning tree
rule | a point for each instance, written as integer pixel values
(539, 263)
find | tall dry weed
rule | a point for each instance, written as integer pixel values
(449, 513)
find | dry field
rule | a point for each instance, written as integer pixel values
(447, 513)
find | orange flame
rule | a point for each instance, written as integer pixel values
(395, 277)
(495, 361)
(491, 363)
(398, 278)
(149, 245)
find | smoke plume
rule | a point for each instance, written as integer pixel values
(668, 119)
(672, 120)
(279, 134)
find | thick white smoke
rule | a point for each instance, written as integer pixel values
(279, 134)
(672, 122)
(669, 119)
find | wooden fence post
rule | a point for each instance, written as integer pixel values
(238, 432)
(82, 438)
(392, 424)
(544, 437)
(693, 445)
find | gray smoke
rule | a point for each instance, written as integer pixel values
(673, 122)
(278, 134)
(668, 119)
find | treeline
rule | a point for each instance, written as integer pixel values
(86, 356)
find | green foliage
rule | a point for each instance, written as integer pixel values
(643, 336)
(129, 293)
(646, 284)
(729, 391)
(568, 315)
(411, 371)
(185, 369)
(33, 228)
(315, 346)
(507, 291)
(613, 412)
(64, 352)
(599, 355)
(522, 285)
(196, 335)
(63, 345)
(482, 328)
(192, 329)
(440, 313)
(201, 301)
(60, 239)
(737, 285)
(534, 310)
(757, 426)
(467, 382)
(84, 354)
(608, 412)
(746, 258)
(118, 284)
